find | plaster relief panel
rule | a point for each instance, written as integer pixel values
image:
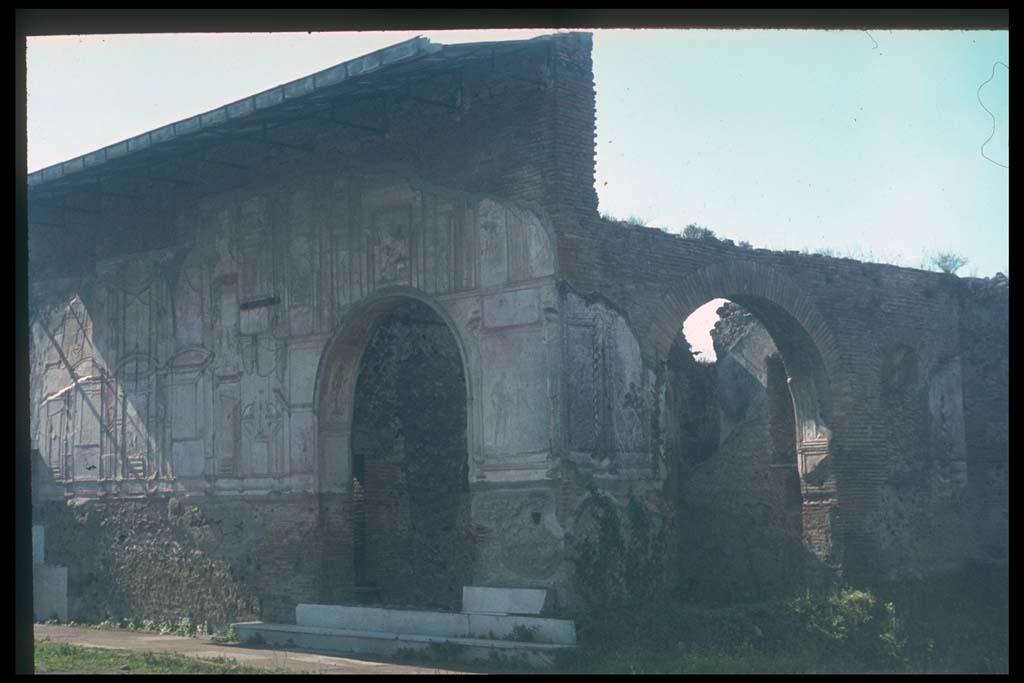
(492, 228)
(468, 318)
(227, 362)
(344, 258)
(457, 219)
(301, 276)
(256, 268)
(610, 399)
(74, 336)
(222, 229)
(137, 318)
(188, 458)
(303, 218)
(583, 416)
(144, 313)
(438, 246)
(510, 309)
(263, 434)
(527, 539)
(515, 393)
(110, 446)
(263, 443)
(530, 253)
(86, 418)
(540, 257)
(341, 245)
(628, 389)
(139, 418)
(55, 439)
(86, 461)
(185, 395)
(336, 472)
(391, 231)
(227, 437)
(302, 429)
(184, 411)
(188, 307)
(55, 373)
(303, 362)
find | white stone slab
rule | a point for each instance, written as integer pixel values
(437, 624)
(487, 600)
(440, 624)
(515, 627)
(188, 458)
(386, 643)
(342, 616)
(420, 622)
(38, 547)
(50, 592)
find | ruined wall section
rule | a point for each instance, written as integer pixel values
(518, 125)
(861, 313)
(985, 322)
(740, 503)
(211, 560)
(614, 469)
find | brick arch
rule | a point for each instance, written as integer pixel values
(338, 372)
(751, 281)
(368, 540)
(809, 352)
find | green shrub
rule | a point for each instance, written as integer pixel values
(228, 635)
(184, 627)
(698, 232)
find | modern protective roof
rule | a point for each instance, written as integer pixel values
(368, 74)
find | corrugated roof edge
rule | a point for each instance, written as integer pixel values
(399, 52)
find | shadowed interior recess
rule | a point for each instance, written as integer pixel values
(409, 463)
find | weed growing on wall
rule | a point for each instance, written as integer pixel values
(619, 557)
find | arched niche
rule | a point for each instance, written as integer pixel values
(338, 372)
(810, 360)
(394, 424)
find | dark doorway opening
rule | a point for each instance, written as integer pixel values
(412, 541)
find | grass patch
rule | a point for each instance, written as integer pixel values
(952, 624)
(53, 656)
(959, 623)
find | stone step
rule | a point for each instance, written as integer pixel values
(382, 643)
(438, 624)
(500, 600)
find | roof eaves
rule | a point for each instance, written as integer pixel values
(400, 52)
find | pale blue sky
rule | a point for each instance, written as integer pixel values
(866, 143)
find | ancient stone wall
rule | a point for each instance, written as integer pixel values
(985, 328)
(164, 558)
(191, 370)
(197, 344)
(845, 313)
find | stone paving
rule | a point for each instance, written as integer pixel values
(141, 641)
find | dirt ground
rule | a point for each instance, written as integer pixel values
(140, 641)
